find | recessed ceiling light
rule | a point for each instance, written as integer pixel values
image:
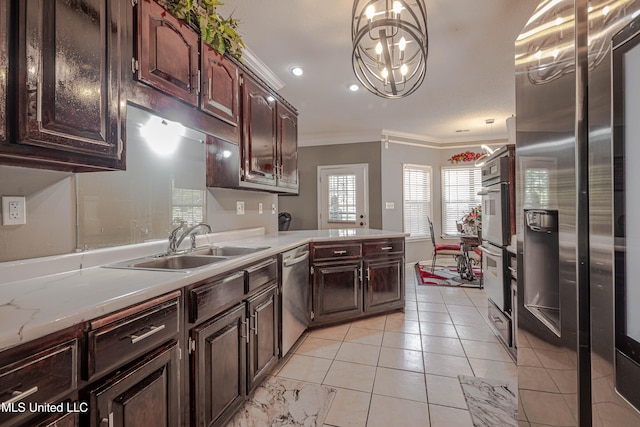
(354, 87)
(297, 71)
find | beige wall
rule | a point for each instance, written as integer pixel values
(304, 207)
(51, 212)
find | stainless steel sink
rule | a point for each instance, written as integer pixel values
(175, 263)
(229, 251)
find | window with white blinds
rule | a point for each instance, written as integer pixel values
(417, 199)
(460, 187)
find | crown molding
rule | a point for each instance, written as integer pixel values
(256, 65)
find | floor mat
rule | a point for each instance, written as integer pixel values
(491, 402)
(283, 402)
(445, 276)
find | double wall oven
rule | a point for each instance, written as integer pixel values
(497, 220)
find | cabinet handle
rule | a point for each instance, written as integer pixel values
(109, 420)
(209, 88)
(152, 330)
(245, 326)
(496, 319)
(19, 395)
(386, 248)
(343, 252)
(255, 322)
(39, 102)
(368, 275)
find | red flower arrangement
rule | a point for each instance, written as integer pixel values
(467, 156)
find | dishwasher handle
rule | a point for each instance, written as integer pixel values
(294, 261)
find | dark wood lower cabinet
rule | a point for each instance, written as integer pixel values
(263, 336)
(218, 367)
(384, 288)
(337, 290)
(145, 394)
(70, 419)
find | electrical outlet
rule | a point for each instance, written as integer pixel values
(273, 208)
(239, 207)
(14, 210)
(260, 210)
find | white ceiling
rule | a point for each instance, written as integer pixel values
(470, 69)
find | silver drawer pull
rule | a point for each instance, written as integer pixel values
(340, 252)
(152, 330)
(496, 319)
(19, 395)
(386, 248)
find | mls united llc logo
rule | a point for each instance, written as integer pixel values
(62, 407)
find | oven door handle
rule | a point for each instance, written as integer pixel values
(487, 191)
(488, 251)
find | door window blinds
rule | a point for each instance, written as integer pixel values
(417, 199)
(342, 198)
(460, 187)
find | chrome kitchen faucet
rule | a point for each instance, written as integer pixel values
(175, 241)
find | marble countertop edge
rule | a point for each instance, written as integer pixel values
(60, 296)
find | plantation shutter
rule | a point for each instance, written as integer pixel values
(417, 201)
(460, 187)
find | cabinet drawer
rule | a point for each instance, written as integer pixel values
(337, 251)
(211, 298)
(261, 274)
(500, 322)
(120, 338)
(44, 377)
(383, 247)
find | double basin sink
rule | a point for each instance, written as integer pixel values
(190, 260)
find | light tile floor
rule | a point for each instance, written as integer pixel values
(401, 369)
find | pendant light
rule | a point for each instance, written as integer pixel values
(390, 45)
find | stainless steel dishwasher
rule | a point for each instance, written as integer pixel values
(295, 302)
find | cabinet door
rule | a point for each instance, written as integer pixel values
(167, 52)
(287, 126)
(263, 337)
(384, 284)
(146, 394)
(69, 81)
(218, 367)
(70, 419)
(258, 134)
(337, 291)
(220, 86)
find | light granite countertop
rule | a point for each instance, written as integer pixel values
(43, 295)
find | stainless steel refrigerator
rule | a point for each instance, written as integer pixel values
(577, 128)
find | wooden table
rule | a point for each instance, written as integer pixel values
(468, 242)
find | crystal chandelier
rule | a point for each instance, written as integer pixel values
(390, 45)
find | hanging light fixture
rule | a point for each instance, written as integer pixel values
(390, 45)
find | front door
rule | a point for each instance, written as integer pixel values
(343, 196)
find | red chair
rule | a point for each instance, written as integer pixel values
(441, 249)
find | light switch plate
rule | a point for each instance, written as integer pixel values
(14, 210)
(260, 209)
(240, 207)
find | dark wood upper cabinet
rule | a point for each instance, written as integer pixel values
(220, 86)
(287, 147)
(70, 111)
(167, 56)
(258, 133)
